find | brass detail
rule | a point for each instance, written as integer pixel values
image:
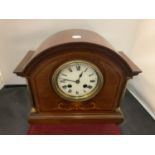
(79, 98)
(77, 106)
(33, 110)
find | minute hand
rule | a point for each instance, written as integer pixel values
(68, 80)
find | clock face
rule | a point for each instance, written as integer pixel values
(77, 80)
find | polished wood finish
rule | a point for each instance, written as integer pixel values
(39, 66)
(135, 69)
(70, 118)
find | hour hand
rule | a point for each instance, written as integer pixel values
(80, 75)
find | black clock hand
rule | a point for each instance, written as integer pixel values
(68, 80)
(80, 75)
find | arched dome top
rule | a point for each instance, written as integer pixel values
(75, 37)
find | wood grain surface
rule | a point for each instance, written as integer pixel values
(38, 67)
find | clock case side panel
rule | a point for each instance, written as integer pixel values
(55, 51)
(34, 99)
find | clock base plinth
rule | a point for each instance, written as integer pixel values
(58, 118)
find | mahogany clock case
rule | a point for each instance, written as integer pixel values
(39, 67)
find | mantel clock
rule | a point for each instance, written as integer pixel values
(76, 76)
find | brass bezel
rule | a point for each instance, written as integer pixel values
(79, 98)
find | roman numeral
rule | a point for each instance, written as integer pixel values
(69, 90)
(92, 80)
(77, 93)
(63, 74)
(86, 69)
(64, 87)
(70, 69)
(78, 67)
(63, 81)
(90, 87)
(91, 74)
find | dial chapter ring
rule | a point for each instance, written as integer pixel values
(85, 97)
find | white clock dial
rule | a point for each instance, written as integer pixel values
(77, 80)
